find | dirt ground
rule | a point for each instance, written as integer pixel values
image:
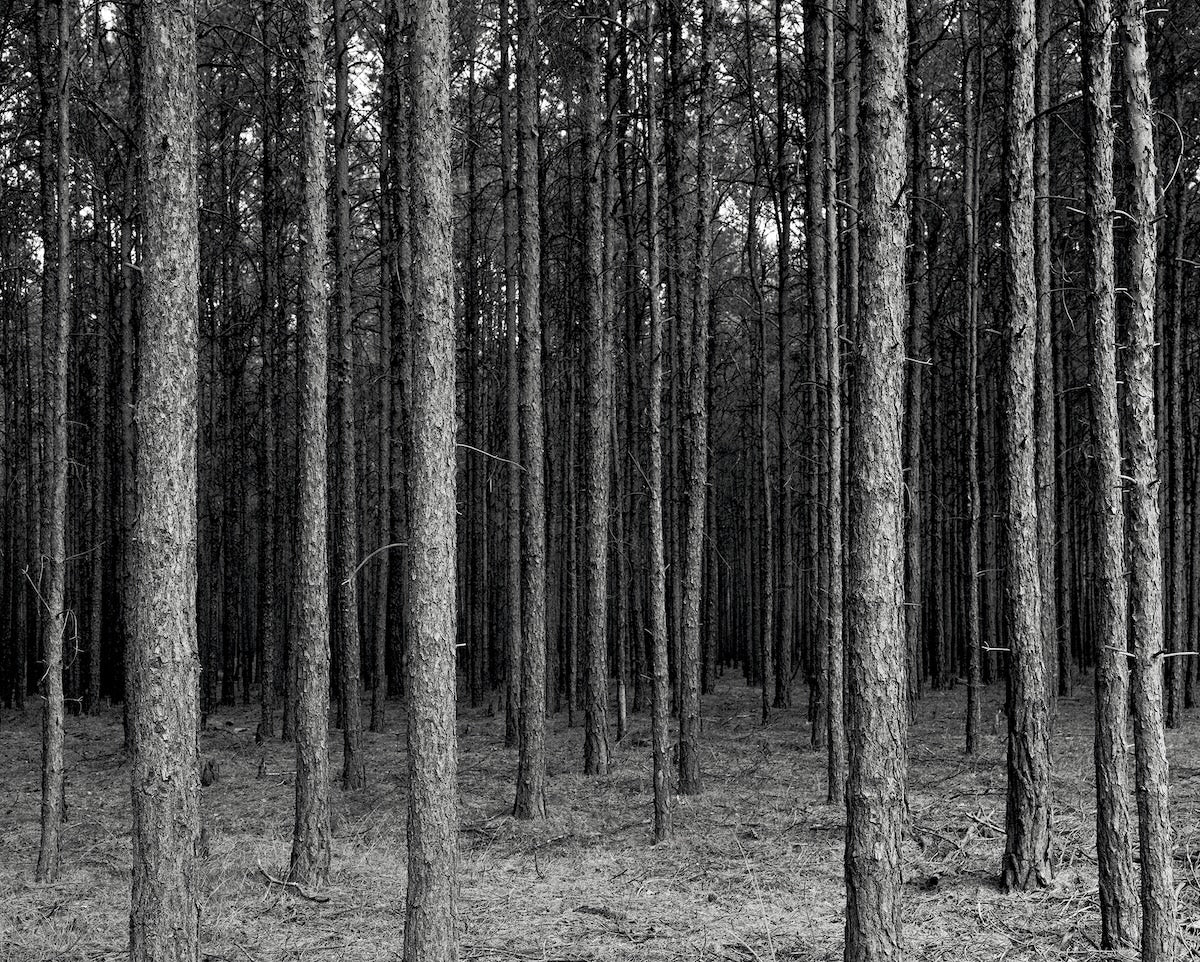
(754, 873)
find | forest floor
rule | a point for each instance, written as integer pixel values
(754, 873)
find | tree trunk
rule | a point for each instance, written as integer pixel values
(311, 840)
(56, 317)
(164, 666)
(875, 589)
(1044, 404)
(1113, 860)
(783, 203)
(531, 762)
(1027, 849)
(1160, 937)
(512, 634)
(835, 696)
(970, 84)
(660, 686)
(346, 487)
(690, 782)
(599, 410)
(430, 916)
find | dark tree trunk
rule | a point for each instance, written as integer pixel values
(690, 782)
(531, 763)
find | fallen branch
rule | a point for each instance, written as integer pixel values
(312, 897)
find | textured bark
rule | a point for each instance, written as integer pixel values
(1174, 466)
(512, 633)
(431, 912)
(346, 476)
(970, 81)
(388, 164)
(126, 392)
(269, 581)
(766, 566)
(917, 617)
(660, 687)
(1160, 938)
(1044, 406)
(815, 145)
(834, 702)
(783, 205)
(1026, 861)
(875, 589)
(597, 454)
(1114, 857)
(56, 319)
(690, 782)
(531, 761)
(311, 832)
(165, 913)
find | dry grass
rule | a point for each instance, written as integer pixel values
(754, 873)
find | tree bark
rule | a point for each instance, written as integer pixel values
(164, 919)
(511, 227)
(1026, 861)
(56, 315)
(346, 476)
(1114, 861)
(311, 841)
(970, 83)
(660, 685)
(690, 781)
(875, 588)
(597, 453)
(835, 697)
(531, 761)
(1160, 937)
(431, 913)
(1044, 403)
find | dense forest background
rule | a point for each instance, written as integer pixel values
(681, 188)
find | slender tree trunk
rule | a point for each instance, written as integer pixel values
(269, 568)
(1160, 938)
(787, 568)
(970, 83)
(164, 918)
(1114, 859)
(430, 918)
(513, 647)
(875, 588)
(918, 617)
(834, 701)
(388, 296)
(346, 487)
(311, 841)
(690, 782)
(660, 687)
(1044, 404)
(766, 567)
(1027, 849)
(531, 763)
(598, 456)
(54, 538)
